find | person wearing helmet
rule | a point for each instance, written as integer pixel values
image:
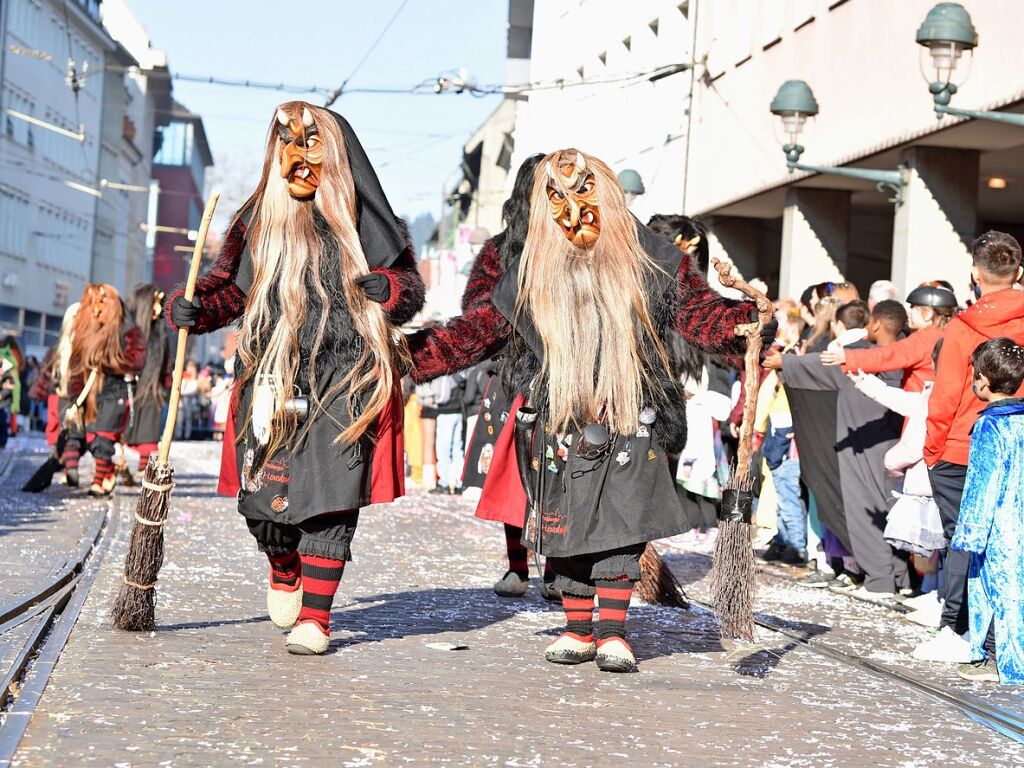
(931, 308)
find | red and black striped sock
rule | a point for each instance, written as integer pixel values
(579, 615)
(549, 572)
(517, 562)
(285, 572)
(72, 454)
(145, 450)
(320, 577)
(612, 604)
(104, 470)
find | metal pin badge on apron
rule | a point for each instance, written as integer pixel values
(647, 418)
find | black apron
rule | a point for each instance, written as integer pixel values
(322, 476)
(626, 496)
(494, 414)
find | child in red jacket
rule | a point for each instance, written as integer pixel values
(953, 408)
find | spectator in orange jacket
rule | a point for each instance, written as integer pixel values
(953, 408)
(931, 308)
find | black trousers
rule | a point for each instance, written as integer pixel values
(948, 488)
(327, 535)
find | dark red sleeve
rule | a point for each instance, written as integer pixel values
(477, 334)
(461, 343)
(483, 276)
(134, 350)
(407, 288)
(706, 318)
(222, 300)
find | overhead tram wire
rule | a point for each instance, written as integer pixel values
(333, 95)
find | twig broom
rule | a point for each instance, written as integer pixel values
(135, 607)
(732, 583)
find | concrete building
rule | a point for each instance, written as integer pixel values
(611, 78)
(136, 99)
(48, 193)
(860, 58)
(472, 210)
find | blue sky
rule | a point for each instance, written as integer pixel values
(415, 142)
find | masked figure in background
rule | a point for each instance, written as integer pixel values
(584, 313)
(490, 457)
(320, 273)
(107, 352)
(146, 308)
(51, 388)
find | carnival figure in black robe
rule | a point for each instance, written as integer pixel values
(582, 314)
(320, 273)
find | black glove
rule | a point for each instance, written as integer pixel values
(376, 286)
(769, 332)
(184, 313)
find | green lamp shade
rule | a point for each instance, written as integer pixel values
(794, 98)
(631, 182)
(948, 23)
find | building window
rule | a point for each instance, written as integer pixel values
(628, 42)
(653, 26)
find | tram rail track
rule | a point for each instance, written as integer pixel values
(999, 719)
(37, 625)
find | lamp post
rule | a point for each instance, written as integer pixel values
(947, 32)
(793, 104)
(632, 185)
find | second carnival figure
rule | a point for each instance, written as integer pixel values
(320, 273)
(583, 313)
(146, 307)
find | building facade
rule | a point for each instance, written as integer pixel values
(136, 99)
(961, 177)
(612, 79)
(49, 154)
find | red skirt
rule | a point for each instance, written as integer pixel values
(52, 418)
(503, 498)
(387, 472)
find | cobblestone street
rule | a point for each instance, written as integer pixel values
(214, 685)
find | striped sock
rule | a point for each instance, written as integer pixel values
(517, 562)
(285, 572)
(72, 454)
(320, 577)
(104, 470)
(144, 452)
(579, 615)
(613, 601)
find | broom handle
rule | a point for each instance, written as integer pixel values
(751, 364)
(179, 357)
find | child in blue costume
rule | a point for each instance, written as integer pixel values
(991, 524)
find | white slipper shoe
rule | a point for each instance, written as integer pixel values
(615, 655)
(307, 639)
(571, 649)
(284, 606)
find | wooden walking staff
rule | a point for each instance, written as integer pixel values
(135, 607)
(732, 585)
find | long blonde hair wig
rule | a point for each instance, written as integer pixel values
(589, 307)
(285, 246)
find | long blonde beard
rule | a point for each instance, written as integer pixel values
(285, 246)
(590, 310)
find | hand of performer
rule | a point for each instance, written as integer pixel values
(376, 286)
(769, 332)
(773, 360)
(835, 356)
(185, 314)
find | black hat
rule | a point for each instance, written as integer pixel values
(932, 296)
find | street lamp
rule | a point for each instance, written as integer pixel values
(793, 104)
(947, 32)
(632, 185)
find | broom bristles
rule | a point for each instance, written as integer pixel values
(658, 585)
(135, 607)
(733, 574)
